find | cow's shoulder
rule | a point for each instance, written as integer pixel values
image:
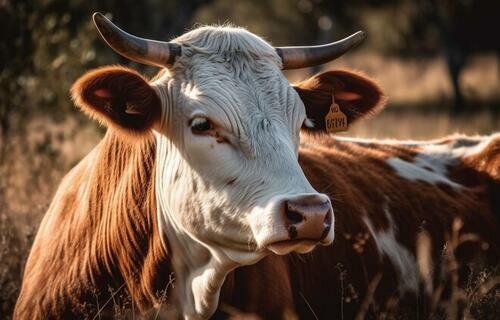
(102, 233)
(48, 274)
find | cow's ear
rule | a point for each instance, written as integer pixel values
(356, 95)
(118, 97)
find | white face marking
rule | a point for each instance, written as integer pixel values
(400, 256)
(227, 155)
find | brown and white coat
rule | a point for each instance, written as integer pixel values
(204, 174)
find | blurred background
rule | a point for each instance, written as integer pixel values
(438, 61)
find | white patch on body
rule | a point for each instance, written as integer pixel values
(400, 256)
(417, 172)
(431, 164)
(458, 140)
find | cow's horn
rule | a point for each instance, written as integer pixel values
(308, 56)
(151, 52)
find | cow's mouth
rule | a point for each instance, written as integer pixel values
(286, 246)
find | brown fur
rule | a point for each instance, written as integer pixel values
(360, 183)
(101, 229)
(99, 233)
(118, 97)
(356, 94)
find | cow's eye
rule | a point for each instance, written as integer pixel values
(201, 125)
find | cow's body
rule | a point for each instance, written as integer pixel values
(382, 213)
(384, 194)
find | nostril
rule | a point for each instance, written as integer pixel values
(292, 232)
(292, 215)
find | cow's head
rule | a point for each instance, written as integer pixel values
(228, 126)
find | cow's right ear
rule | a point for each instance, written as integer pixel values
(356, 95)
(118, 97)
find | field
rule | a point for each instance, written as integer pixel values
(420, 100)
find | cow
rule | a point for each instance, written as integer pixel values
(219, 189)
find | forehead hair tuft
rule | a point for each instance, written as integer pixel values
(226, 39)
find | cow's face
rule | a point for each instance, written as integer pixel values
(228, 128)
(230, 133)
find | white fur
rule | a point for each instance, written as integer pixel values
(218, 202)
(309, 123)
(432, 163)
(400, 256)
(456, 139)
(416, 171)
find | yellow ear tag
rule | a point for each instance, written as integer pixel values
(335, 120)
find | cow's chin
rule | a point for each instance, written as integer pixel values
(279, 243)
(287, 246)
(299, 245)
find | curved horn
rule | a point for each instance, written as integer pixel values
(308, 56)
(151, 52)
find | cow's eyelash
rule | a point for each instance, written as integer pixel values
(201, 125)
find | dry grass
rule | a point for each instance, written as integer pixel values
(419, 93)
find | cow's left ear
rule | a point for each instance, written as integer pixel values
(119, 97)
(356, 95)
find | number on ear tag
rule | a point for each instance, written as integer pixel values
(335, 120)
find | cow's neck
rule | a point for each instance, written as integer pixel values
(200, 274)
(119, 186)
(200, 270)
